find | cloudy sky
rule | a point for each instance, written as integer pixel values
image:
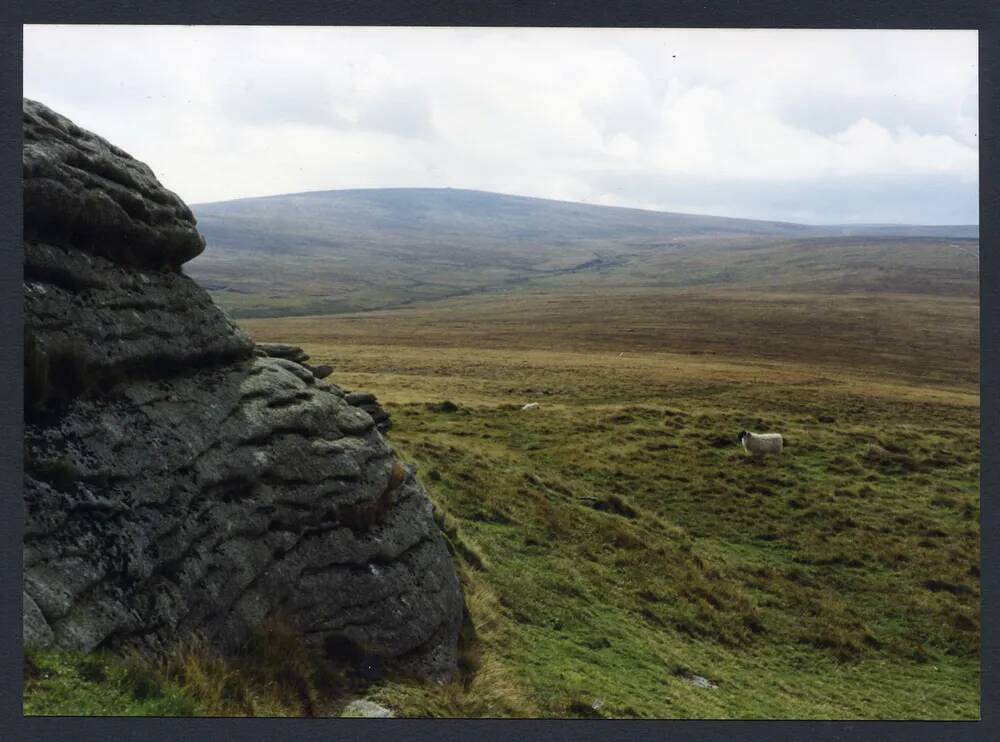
(809, 126)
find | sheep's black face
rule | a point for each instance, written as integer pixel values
(741, 436)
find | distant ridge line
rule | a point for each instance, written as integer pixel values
(880, 227)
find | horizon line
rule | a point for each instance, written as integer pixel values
(584, 203)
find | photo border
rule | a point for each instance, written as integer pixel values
(957, 14)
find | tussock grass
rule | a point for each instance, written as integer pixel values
(618, 543)
(73, 684)
(275, 674)
(621, 533)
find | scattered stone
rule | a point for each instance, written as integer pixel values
(281, 350)
(445, 406)
(360, 398)
(321, 372)
(698, 681)
(365, 709)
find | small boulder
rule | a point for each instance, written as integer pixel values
(321, 372)
(359, 398)
(365, 709)
(283, 350)
(698, 681)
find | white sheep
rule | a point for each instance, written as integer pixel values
(761, 444)
(530, 406)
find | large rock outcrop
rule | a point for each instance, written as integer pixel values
(177, 482)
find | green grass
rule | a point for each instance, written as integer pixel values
(69, 684)
(625, 542)
(617, 542)
(273, 675)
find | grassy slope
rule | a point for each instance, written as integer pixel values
(923, 338)
(274, 675)
(618, 540)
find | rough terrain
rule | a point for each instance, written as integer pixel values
(178, 483)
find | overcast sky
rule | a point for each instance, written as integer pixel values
(809, 126)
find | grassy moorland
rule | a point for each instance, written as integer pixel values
(617, 543)
(274, 675)
(348, 251)
(620, 555)
(930, 340)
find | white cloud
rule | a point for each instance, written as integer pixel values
(765, 124)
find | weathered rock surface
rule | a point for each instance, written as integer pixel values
(282, 350)
(177, 481)
(107, 202)
(363, 400)
(370, 404)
